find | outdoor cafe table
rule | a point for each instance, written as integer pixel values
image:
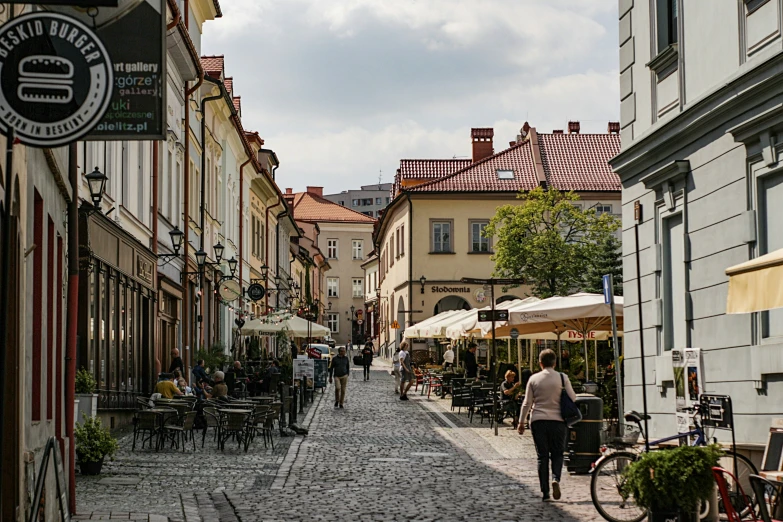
(161, 422)
(775, 476)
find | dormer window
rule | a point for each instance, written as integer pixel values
(505, 174)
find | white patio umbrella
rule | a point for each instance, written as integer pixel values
(416, 331)
(294, 325)
(437, 329)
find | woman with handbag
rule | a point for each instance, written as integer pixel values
(550, 397)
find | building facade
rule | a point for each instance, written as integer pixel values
(370, 200)
(701, 120)
(430, 237)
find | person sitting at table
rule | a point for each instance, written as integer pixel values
(183, 387)
(273, 369)
(199, 373)
(167, 388)
(201, 390)
(219, 390)
(510, 391)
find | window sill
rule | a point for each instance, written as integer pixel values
(662, 63)
(442, 253)
(480, 253)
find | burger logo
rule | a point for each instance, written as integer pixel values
(56, 79)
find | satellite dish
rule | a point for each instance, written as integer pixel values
(103, 15)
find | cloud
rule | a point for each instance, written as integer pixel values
(344, 88)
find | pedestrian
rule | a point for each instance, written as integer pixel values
(367, 359)
(176, 362)
(549, 430)
(396, 370)
(471, 366)
(448, 358)
(406, 365)
(339, 368)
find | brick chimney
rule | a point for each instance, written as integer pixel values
(573, 127)
(482, 143)
(289, 191)
(317, 191)
(613, 127)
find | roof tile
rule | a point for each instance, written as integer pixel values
(213, 65)
(580, 161)
(311, 207)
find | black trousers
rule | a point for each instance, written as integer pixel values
(367, 369)
(549, 438)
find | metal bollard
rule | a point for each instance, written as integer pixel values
(303, 394)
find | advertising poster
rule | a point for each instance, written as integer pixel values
(694, 374)
(304, 368)
(678, 364)
(134, 36)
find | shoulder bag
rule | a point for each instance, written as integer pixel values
(568, 408)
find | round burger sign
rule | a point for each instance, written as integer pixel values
(55, 77)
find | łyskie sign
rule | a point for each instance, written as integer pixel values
(56, 79)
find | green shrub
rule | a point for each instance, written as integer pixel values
(93, 441)
(85, 382)
(675, 479)
(214, 357)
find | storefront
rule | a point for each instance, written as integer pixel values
(117, 317)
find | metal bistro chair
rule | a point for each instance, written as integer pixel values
(234, 425)
(146, 424)
(730, 504)
(212, 418)
(184, 429)
(258, 421)
(169, 417)
(769, 498)
(460, 395)
(481, 403)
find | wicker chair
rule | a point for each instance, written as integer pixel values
(147, 425)
(180, 431)
(234, 425)
(212, 419)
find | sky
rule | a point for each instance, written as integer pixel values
(342, 90)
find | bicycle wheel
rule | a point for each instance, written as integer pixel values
(606, 487)
(744, 469)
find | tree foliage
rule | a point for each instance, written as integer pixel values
(608, 261)
(549, 241)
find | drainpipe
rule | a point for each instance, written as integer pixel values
(266, 242)
(73, 319)
(410, 258)
(156, 216)
(177, 16)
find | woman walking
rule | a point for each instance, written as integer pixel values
(542, 396)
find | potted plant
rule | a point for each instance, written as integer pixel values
(671, 484)
(93, 443)
(85, 393)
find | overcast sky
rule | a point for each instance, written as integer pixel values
(343, 89)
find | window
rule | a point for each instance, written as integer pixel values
(331, 248)
(387, 201)
(505, 174)
(603, 209)
(342, 203)
(333, 322)
(478, 243)
(357, 287)
(667, 23)
(402, 240)
(253, 237)
(332, 287)
(367, 202)
(770, 213)
(355, 203)
(261, 242)
(357, 246)
(673, 280)
(441, 235)
(368, 213)
(391, 249)
(378, 201)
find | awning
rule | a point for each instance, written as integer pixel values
(756, 285)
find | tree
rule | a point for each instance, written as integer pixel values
(548, 240)
(608, 261)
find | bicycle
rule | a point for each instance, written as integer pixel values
(607, 481)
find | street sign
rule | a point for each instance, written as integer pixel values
(359, 321)
(229, 290)
(506, 282)
(394, 324)
(514, 333)
(607, 279)
(134, 33)
(486, 315)
(256, 292)
(56, 78)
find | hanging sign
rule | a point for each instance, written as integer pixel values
(229, 290)
(134, 33)
(256, 292)
(55, 76)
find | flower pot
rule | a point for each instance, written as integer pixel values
(90, 468)
(672, 516)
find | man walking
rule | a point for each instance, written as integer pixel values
(176, 362)
(546, 422)
(471, 366)
(339, 368)
(407, 371)
(367, 359)
(397, 370)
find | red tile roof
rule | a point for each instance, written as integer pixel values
(430, 168)
(580, 161)
(229, 83)
(482, 175)
(213, 65)
(313, 208)
(237, 103)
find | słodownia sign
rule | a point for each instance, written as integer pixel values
(134, 34)
(55, 79)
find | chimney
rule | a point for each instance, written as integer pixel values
(557, 131)
(317, 191)
(482, 143)
(573, 127)
(289, 191)
(523, 132)
(613, 127)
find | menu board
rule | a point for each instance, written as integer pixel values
(321, 372)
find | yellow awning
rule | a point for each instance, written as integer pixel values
(756, 285)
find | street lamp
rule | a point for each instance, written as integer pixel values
(176, 239)
(96, 182)
(264, 271)
(201, 258)
(423, 281)
(219, 252)
(232, 265)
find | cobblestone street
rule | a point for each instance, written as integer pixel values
(378, 459)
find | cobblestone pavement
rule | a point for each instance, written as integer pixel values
(378, 459)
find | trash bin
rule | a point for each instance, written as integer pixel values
(584, 438)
